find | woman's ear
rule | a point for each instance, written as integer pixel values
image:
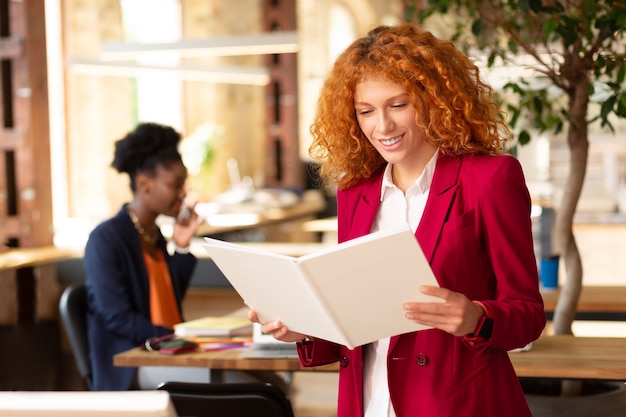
(142, 183)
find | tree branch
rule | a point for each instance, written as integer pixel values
(492, 14)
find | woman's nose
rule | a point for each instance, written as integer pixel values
(385, 123)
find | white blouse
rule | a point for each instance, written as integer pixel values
(396, 208)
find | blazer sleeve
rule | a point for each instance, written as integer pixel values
(504, 208)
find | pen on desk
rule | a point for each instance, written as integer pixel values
(224, 346)
(208, 340)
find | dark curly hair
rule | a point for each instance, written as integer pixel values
(454, 106)
(144, 149)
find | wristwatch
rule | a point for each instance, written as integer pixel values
(484, 328)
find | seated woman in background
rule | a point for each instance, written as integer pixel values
(134, 286)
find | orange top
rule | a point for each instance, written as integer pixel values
(163, 307)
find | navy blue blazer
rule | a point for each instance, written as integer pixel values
(118, 297)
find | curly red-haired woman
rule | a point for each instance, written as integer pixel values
(411, 135)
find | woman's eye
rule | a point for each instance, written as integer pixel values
(363, 112)
(399, 105)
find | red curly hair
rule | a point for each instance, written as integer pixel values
(454, 107)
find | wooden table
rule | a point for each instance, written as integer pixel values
(559, 357)
(27, 257)
(216, 361)
(326, 226)
(29, 285)
(570, 357)
(228, 222)
(596, 303)
(248, 218)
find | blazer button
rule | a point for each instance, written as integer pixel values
(343, 362)
(421, 359)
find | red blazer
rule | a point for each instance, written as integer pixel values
(476, 233)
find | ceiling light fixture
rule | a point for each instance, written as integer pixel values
(258, 44)
(224, 75)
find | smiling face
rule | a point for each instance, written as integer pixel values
(387, 118)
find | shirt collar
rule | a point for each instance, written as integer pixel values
(422, 182)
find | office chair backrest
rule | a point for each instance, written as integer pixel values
(73, 310)
(254, 399)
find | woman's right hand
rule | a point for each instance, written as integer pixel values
(277, 329)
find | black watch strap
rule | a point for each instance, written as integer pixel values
(486, 329)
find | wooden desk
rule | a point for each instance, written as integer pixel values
(222, 223)
(551, 357)
(27, 257)
(570, 357)
(217, 361)
(326, 226)
(29, 286)
(251, 218)
(596, 303)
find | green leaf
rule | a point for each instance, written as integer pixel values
(606, 123)
(621, 106)
(549, 27)
(515, 113)
(535, 5)
(621, 73)
(524, 137)
(538, 105)
(569, 30)
(477, 27)
(559, 127)
(555, 9)
(607, 108)
(524, 6)
(514, 87)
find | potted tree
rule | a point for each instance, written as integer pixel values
(577, 47)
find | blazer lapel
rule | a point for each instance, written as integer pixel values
(368, 201)
(442, 192)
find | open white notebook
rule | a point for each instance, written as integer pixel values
(351, 293)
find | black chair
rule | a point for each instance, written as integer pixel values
(255, 399)
(73, 310)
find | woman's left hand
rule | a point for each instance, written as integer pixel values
(457, 315)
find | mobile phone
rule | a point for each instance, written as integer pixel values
(184, 214)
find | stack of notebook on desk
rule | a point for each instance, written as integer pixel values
(217, 333)
(223, 326)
